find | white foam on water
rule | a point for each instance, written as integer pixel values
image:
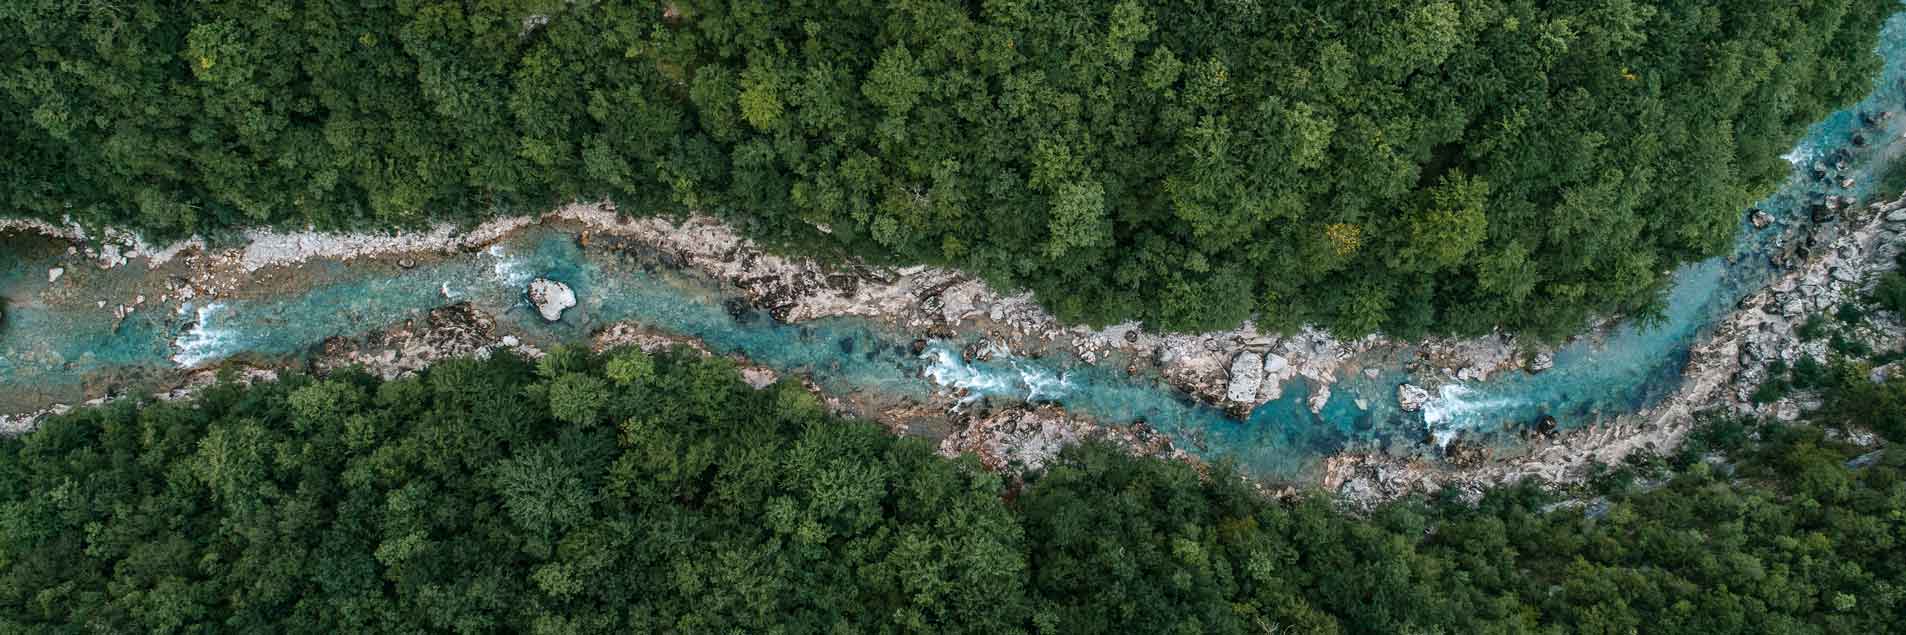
(1042, 383)
(508, 268)
(1445, 414)
(1027, 381)
(1799, 155)
(204, 342)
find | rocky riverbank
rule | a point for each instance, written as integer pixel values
(1237, 369)
(1014, 438)
(1829, 262)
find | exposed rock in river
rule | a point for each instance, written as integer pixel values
(1760, 219)
(1247, 375)
(1027, 438)
(452, 331)
(551, 298)
(1541, 362)
(1411, 398)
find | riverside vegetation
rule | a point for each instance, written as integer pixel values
(1405, 166)
(1410, 167)
(629, 492)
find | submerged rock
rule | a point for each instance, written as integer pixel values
(551, 298)
(1411, 398)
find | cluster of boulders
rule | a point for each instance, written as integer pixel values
(1258, 373)
(1026, 438)
(1238, 369)
(457, 330)
(1831, 263)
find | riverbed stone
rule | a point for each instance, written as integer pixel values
(1760, 219)
(1319, 397)
(1880, 374)
(1541, 362)
(1411, 397)
(1787, 410)
(1277, 370)
(53, 275)
(550, 298)
(1276, 364)
(1247, 375)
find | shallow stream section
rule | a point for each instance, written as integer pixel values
(70, 336)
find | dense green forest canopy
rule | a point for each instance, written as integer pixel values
(659, 494)
(1400, 165)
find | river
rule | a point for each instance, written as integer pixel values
(66, 339)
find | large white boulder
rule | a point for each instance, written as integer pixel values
(1247, 374)
(550, 298)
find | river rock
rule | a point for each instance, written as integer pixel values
(551, 298)
(53, 275)
(1318, 398)
(1411, 398)
(1541, 362)
(1277, 370)
(1760, 219)
(1247, 375)
(1276, 364)
(1880, 374)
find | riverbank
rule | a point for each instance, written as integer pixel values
(198, 284)
(1825, 265)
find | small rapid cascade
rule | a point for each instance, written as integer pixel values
(79, 335)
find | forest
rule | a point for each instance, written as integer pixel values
(634, 492)
(1404, 166)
